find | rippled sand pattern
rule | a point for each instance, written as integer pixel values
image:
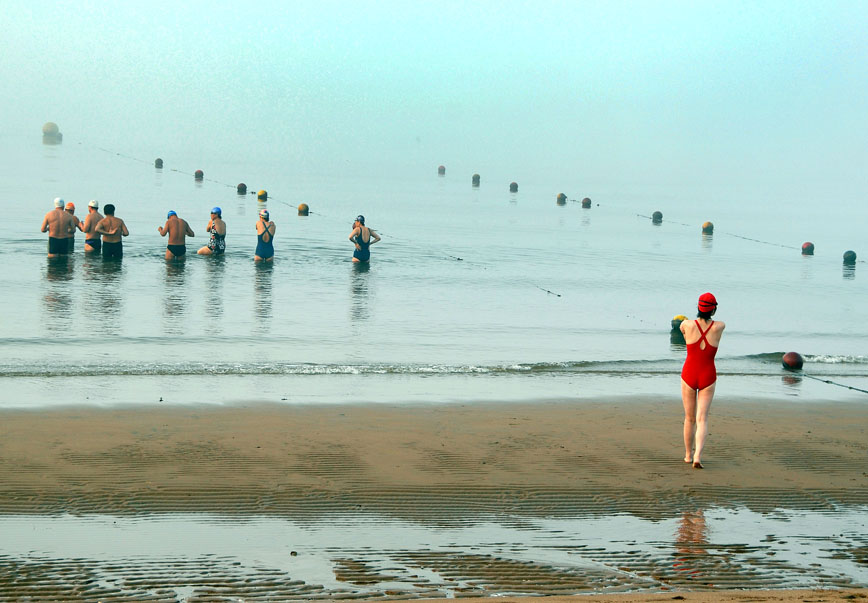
(431, 476)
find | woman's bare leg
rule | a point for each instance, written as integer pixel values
(688, 398)
(703, 406)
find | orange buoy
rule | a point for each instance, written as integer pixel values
(792, 361)
(677, 320)
(807, 248)
(707, 227)
(562, 199)
(303, 209)
(262, 195)
(657, 217)
(513, 187)
(199, 174)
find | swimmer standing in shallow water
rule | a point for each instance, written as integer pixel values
(362, 237)
(265, 230)
(178, 231)
(699, 376)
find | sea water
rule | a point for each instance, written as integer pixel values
(473, 293)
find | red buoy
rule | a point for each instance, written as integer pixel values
(586, 203)
(241, 188)
(441, 170)
(199, 174)
(792, 361)
(807, 248)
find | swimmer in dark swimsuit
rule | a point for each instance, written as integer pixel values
(362, 237)
(217, 227)
(264, 238)
(92, 240)
(178, 231)
(699, 376)
(112, 229)
(60, 226)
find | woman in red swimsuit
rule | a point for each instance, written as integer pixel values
(699, 376)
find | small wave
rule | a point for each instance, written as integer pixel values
(775, 357)
(830, 359)
(757, 364)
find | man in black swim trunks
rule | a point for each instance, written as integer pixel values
(112, 229)
(178, 231)
(92, 240)
(60, 226)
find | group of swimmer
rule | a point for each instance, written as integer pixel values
(104, 233)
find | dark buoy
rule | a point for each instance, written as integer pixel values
(475, 180)
(199, 174)
(807, 248)
(262, 195)
(241, 188)
(441, 171)
(303, 209)
(850, 257)
(562, 199)
(657, 217)
(586, 203)
(158, 163)
(707, 227)
(792, 361)
(513, 187)
(51, 133)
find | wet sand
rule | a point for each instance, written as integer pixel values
(441, 466)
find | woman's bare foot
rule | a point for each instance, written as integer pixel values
(688, 459)
(698, 465)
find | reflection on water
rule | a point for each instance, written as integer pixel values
(175, 302)
(707, 241)
(360, 289)
(57, 299)
(215, 266)
(369, 556)
(791, 381)
(691, 540)
(262, 294)
(104, 292)
(849, 271)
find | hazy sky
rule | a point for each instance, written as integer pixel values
(650, 92)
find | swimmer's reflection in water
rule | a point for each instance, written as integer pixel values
(360, 287)
(690, 542)
(175, 303)
(262, 293)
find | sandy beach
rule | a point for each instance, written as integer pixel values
(445, 465)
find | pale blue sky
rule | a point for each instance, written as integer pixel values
(650, 92)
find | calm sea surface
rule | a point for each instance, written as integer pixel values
(473, 293)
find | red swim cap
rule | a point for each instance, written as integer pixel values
(707, 302)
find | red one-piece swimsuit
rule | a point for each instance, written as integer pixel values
(699, 371)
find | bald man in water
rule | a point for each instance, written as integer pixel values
(60, 226)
